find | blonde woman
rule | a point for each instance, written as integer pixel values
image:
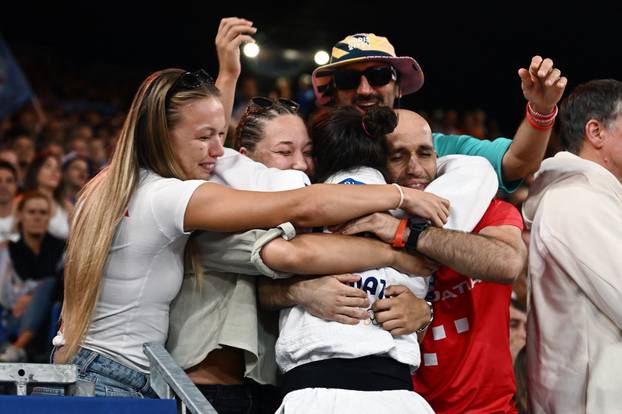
(125, 256)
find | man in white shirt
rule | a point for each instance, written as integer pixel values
(574, 327)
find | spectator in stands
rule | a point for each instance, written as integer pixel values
(518, 327)
(76, 172)
(248, 89)
(31, 277)
(574, 209)
(8, 190)
(98, 153)
(44, 175)
(23, 143)
(8, 155)
(78, 145)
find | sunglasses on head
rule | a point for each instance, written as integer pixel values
(267, 103)
(188, 81)
(346, 79)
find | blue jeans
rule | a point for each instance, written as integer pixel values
(37, 313)
(111, 378)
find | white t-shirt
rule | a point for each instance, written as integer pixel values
(305, 338)
(143, 272)
(59, 223)
(7, 225)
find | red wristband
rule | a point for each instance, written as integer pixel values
(539, 121)
(398, 239)
(539, 116)
(543, 127)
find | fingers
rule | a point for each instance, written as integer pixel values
(381, 305)
(392, 324)
(352, 302)
(545, 68)
(352, 313)
(242, 39)
(357, 226)
(525, 78)
(383, 317)
(395, 290)
(553, 77)
(231, 27)
(536, 61)
(350, 291)
(399, 331)
(348, 278)
(237, 30)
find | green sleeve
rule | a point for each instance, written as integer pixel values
(493, 151)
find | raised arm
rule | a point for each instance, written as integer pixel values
(543, 87)
(231, 33)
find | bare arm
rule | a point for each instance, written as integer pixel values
(231, 33)
(496, 254)
(214, 207)
(543, 86)
(319, 254)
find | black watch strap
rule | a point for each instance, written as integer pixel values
(417, 225)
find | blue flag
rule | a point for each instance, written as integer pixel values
(14, 87)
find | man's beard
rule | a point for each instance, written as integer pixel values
(367, 101)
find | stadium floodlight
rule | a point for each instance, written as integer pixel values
(321, 57)
(251, 50)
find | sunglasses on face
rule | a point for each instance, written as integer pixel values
(268, 103)
(346, 79)
(188, 81)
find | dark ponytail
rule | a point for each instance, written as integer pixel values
(379, 121)
(343, 138)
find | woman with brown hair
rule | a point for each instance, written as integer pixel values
(44, 175)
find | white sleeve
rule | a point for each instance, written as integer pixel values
(584, 237)
(469, 183)
(240, 172)
(168, 201)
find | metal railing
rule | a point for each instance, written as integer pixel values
(22, 374)
(169, 381)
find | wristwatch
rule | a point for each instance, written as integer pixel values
(417, 225)
(423, 327)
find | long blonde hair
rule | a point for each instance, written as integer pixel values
(143, 143)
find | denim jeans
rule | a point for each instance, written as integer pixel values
(111, 378)
(37, 313)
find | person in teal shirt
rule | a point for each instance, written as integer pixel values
(364, 71)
